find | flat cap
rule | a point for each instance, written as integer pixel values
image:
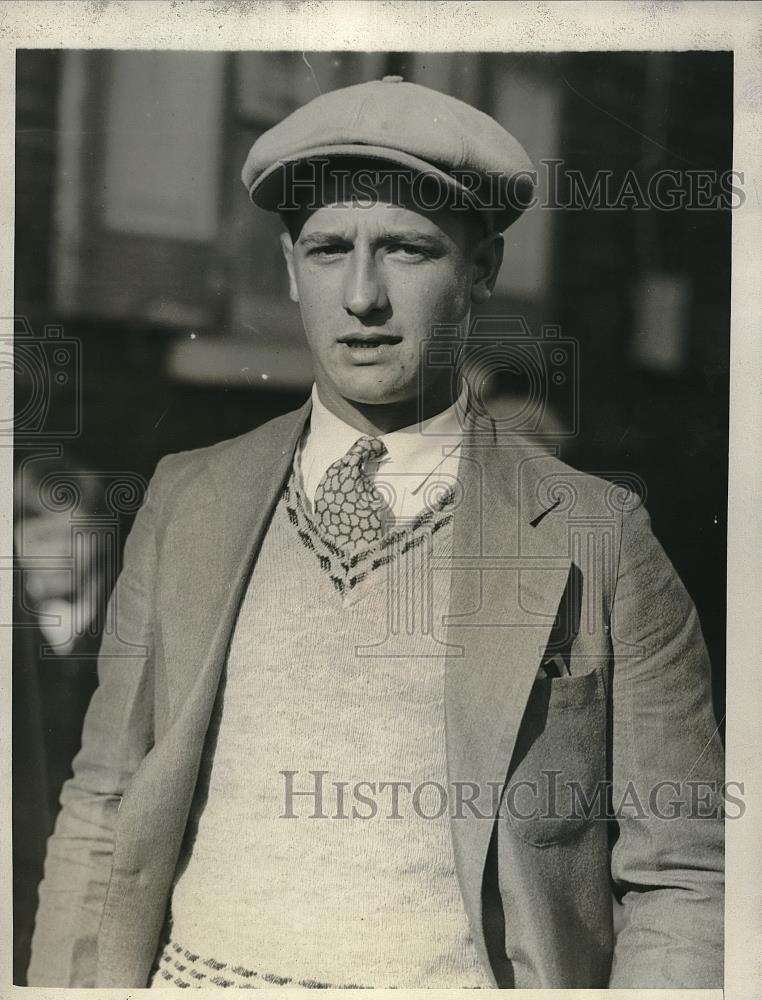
(403, 125)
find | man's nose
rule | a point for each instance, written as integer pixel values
(364, 290)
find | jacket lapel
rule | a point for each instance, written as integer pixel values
(508, 577)
(215, 541)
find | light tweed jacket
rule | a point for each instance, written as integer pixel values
(550, 566)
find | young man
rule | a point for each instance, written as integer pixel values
(372, 715)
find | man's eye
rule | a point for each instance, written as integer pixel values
(327, 250)
(411, 250)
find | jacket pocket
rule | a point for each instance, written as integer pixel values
(556, 782)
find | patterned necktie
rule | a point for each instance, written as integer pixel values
(346, 503)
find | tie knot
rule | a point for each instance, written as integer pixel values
(365, 449)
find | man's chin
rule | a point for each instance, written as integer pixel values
(372, 391)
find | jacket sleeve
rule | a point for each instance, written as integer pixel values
(667, 771)
(117, 734)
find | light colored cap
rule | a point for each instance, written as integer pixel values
(405, 125)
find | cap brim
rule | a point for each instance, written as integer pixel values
(268, 189)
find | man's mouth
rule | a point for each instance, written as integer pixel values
(369, 341)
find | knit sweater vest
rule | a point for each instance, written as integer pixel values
(318, 850)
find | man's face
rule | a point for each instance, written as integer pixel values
(372, 280)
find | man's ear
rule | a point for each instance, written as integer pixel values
(488, 258)
(288, 252)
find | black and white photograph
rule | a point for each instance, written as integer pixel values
(377, 513)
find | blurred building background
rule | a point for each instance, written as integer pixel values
(164, 297)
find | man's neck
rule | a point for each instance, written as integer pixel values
(376, 419)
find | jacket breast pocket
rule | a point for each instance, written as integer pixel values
(556, 782)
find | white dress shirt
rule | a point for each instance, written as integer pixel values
(421, 461)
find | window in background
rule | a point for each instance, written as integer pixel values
(140, 143)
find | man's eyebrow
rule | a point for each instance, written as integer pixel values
(414, 236)
(394, 236)
(323, 237)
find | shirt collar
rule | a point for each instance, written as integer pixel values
(400, 444)
(417, 449)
